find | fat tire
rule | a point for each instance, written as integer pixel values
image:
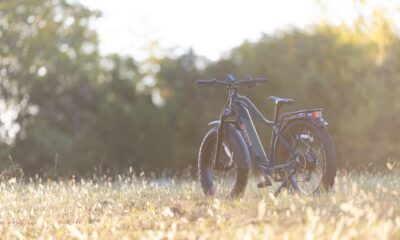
(204, 167)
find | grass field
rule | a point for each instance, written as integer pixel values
(363, 206)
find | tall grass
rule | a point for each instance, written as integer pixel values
(362, 206)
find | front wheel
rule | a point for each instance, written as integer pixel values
(315, 156)
(230, 181)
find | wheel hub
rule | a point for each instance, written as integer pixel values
(311, 161)
(305, 161)
(301, 162)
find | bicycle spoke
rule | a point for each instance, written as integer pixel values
(309, 179)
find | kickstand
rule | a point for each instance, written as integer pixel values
(284, 184)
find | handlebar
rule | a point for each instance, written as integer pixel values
(231, 84)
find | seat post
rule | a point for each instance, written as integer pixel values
(277, 109)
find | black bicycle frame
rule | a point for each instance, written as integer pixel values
(241, 107)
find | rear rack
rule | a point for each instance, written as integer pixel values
(305, 112)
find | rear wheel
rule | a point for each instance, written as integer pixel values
(315, 158)
(229, 181)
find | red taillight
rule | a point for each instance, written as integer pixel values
(316, 114)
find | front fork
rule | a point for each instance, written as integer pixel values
(220, 135)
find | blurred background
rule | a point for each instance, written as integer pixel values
(100, 86)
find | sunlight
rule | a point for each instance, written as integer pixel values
(180, 24)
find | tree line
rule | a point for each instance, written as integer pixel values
(67, 108)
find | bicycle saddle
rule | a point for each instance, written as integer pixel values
(278, 100)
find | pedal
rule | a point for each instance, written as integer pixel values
(266, 183)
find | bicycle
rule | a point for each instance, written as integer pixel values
(301, 156)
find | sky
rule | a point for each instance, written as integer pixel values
(210, 27)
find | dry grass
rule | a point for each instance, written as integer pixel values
(363, 206)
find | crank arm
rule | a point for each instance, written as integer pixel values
(285, 183)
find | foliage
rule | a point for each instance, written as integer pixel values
(75, 109)
(67, 109)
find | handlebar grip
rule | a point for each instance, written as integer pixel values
(203, 82)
